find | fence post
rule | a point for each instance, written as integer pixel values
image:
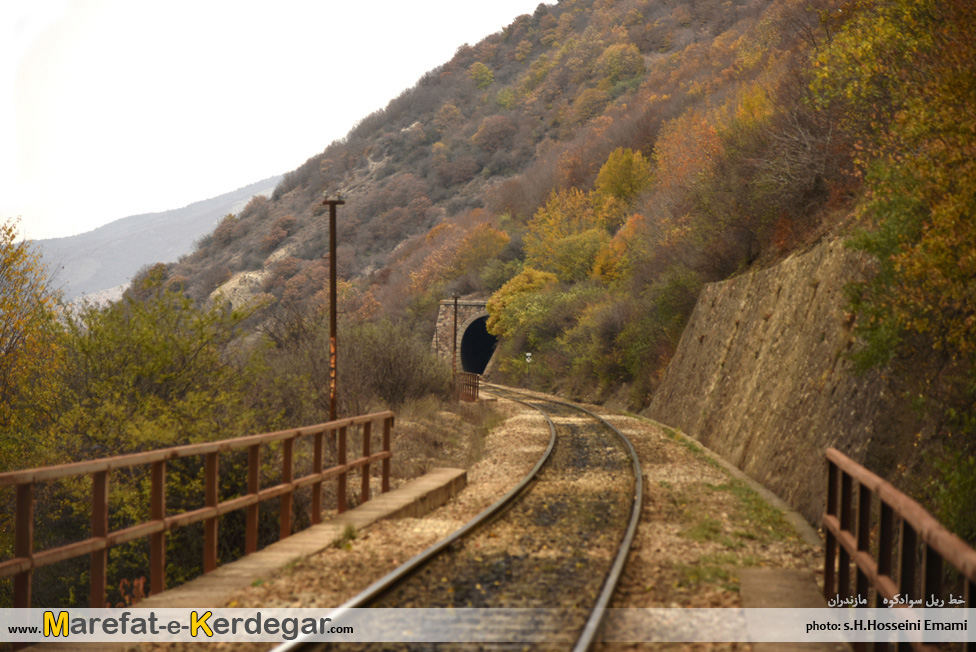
(210, 495)
(341, 478)
(24, 543)
(830, 546)
(253, 486)
(969, 595)
(906, 560)
(387, 427)
(367, 450)
(863, 534)
(317, 486)
(886, 535)
(931, 573)
(157, 541)
(844, 566)
(287, 475)
(99, 558)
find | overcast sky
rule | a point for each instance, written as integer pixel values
(110, 108)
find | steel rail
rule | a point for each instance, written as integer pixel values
(392, 578)
(610, 583)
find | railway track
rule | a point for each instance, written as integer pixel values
(551, 550)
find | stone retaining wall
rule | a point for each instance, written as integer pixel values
(762, 378)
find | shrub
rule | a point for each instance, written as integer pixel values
(620, 62)
(511, 299)
(589, 104)
(625, 174)
(481, 75)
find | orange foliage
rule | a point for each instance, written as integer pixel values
(686, 150)
(457, 253)
(612, 261)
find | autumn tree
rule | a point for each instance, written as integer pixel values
(620, 62)
(448, 117)
(481, 75)
(479, 245)
(565, 235)
(224, 233)
(589, 104)
(507, 306)
(494, 133)
(918, 208)
(29, 341)
(625, 174)
(902, 77)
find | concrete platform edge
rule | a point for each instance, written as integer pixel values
(413, 499)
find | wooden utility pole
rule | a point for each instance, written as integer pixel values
(333, 338)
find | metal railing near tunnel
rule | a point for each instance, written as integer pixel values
(26, 559)
(466, 386)
(848, 522)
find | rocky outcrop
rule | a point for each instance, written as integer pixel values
(240, 289)
(761, 376)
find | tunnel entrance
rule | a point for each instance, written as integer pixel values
(477, 345)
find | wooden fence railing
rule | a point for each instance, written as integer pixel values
(919, 537)
(27, 559)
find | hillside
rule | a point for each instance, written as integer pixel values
(487, 136)
(594, 165)
(108, 257)
(635, 149)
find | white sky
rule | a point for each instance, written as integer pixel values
(110, 108)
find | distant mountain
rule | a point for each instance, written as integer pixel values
(101, 261)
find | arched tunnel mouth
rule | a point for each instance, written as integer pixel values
(477, 346)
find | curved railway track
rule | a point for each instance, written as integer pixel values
(555, 544)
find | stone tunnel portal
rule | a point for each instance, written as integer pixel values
(477, 346)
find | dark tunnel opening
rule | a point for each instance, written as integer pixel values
(477, 345)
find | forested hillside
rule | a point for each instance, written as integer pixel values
(632, 149)
(595, 163)
(615, 155)
(589, 168)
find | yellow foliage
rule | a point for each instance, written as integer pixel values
(625, 174)
(613, 261)
(29, 340)
(507, 305)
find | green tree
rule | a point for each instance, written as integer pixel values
(149, 371)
